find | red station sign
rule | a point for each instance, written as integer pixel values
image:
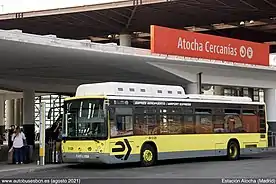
(184, 43)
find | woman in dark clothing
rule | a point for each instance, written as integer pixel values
(11, 131)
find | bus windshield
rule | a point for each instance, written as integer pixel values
(85, 119)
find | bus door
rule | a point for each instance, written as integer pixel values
(121, 128)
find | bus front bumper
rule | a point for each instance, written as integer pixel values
(85, 158)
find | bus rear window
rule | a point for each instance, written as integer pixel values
(232, 111)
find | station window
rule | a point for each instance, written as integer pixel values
(245, 92)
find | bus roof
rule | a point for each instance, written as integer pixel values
(130, 89)
(184, 100)
(120, 90)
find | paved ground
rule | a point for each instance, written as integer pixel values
(262, 165)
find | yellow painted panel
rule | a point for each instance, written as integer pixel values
(165, 143)
(83, 146)
(173, 143)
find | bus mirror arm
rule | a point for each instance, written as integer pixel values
(49, 115)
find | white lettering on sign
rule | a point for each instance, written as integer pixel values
(207, 46)
(272, 59)
(187, 45)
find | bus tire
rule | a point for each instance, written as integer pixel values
(148, 155)
(233, 150)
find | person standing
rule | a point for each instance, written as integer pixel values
(10, 133)
(18, 139)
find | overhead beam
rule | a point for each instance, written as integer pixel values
(270, 3)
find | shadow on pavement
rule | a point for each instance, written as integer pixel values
(160, 163)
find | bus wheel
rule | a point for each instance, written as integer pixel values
(233, 150)
(148, 155)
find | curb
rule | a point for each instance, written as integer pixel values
(271, 149)
(46, 167)
(32, 169)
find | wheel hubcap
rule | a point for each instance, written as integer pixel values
(147, 155)
(233, 151)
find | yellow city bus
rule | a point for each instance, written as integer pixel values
(128, 122)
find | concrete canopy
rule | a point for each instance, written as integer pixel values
(102, 22)
(9, 95)
(28, 61)
(50, 64)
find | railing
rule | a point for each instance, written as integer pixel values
(271, 139)
(53, 152)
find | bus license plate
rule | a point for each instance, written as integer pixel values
(82, 156)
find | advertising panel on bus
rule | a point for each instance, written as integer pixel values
(190, 44)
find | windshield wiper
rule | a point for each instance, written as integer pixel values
(94, 139)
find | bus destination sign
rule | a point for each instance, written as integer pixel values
(161, 103)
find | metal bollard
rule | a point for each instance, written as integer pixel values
(274, 140)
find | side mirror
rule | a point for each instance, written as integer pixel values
(51, 109)
(50, 113)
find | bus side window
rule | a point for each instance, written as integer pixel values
(203, 121)
(250, 121)
(233, 121)
(122, 124)
(145, 121)
(188, 124)
(218, 124)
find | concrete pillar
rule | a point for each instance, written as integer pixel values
(2, 113)
(17, 112)
(21, 111)
(10, 113)
(125, 40)
(191, 88)
(28, 116)
(270, 100)
(218, 90)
